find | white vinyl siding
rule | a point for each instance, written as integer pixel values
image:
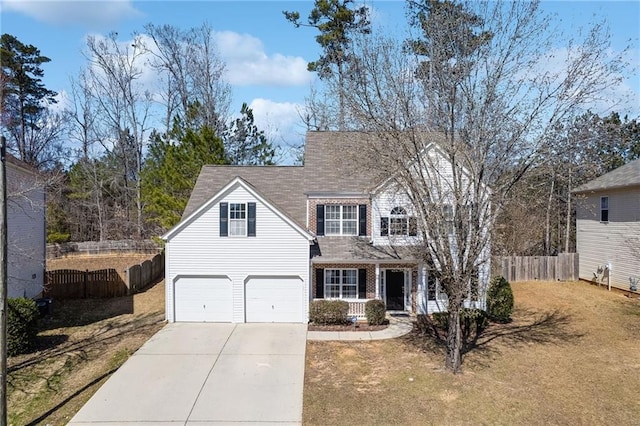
(609, 242)
(277, 250)
(26, 240)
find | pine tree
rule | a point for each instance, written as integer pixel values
(23, 96)
(171, 170)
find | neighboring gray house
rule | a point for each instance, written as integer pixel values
(258, 243)
(26, 230)
(608, 225)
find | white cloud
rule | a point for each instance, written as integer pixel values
(248, 64)
(282, 124)
(88, 13)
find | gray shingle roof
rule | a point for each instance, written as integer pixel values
(281, 185)
(622, 177)
(356, 249)
(326, 170)
(329, 165)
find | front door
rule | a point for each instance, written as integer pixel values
(394, 281)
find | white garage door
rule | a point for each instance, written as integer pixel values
(274, 299)
(203, 299)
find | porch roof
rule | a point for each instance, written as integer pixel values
(358, 249)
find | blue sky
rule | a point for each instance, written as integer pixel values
(266, 56)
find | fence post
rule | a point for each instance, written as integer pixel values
(84, 283)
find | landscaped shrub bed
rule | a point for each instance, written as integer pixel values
(329, 312)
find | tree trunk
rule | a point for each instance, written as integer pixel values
(567, 234)
(547, 229)
(453, 359)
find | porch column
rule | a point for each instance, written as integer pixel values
(421, 293)
(377, 280)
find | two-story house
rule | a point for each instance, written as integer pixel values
(258, 243)
(608, 226)
(26, 230)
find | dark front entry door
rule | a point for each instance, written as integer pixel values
(395, 290)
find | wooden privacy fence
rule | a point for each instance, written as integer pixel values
(74, 284)
(563, 267)
(140, 276)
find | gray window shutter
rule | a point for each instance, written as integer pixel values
(362, 228)
(384, 226)
(251, 219)
(320, 219)
(362, 283)
(413, 226)
(224, 219)
(319, 283)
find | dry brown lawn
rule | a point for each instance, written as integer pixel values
(570, 357)
(79, 347)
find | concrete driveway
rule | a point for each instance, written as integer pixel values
(201, 374)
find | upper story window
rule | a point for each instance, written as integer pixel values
(604, 209)
(398, 223)
(341, 220)
(336, 219)
(237, 219)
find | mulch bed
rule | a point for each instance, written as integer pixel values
(360, 326)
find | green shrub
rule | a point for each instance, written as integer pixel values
(441, 320)
(473, 321)
(22, 325)
(499, 300)
(376, 312)
(58, 237)
(329, 312)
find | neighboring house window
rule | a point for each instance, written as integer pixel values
(341, 220)
(341, 283)
(398, 223)
(604, 209)
(237, 219)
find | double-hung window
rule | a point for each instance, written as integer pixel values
(341, 283)
(237, 219)
(604, 209)
(341, 220)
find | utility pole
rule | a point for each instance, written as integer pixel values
(3, 281)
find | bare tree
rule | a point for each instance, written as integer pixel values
(123, 106)
(192, 73)
(457, 117)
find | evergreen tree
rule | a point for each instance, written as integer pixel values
(171, 170)
(245, 144)
(24, 97)
(337, 23)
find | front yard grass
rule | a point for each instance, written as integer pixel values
(570, 356)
